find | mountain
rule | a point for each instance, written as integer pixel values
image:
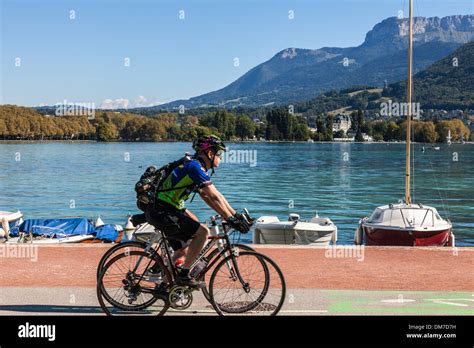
(297, 74)
(446, 84)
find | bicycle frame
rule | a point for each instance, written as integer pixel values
(162, 243)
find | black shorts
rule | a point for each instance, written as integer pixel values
(175, 225)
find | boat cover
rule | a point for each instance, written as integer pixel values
(107, 233)
(60, 228)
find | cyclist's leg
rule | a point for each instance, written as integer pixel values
(179, 228)
(197, 243)
(189, 229)
(179, 253)
(191, 215)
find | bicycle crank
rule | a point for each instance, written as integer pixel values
(180, 297)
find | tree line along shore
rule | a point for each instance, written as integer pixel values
(277, 124)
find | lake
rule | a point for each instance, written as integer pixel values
(342, 181)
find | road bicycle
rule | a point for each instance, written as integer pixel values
(140, 278)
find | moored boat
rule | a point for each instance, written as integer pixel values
(55, 231)
(317, 231)
(405, 225)
(9, 220)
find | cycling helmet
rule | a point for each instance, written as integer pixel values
(207, 142)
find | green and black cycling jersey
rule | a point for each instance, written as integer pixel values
(186, 178)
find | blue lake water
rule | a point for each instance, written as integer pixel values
(342, 181)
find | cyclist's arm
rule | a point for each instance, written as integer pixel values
(216, 201)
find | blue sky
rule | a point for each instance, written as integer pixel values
(82, 59)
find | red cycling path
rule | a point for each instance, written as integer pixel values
(304, 267)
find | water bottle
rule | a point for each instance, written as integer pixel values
(179, 263)
(198, 268)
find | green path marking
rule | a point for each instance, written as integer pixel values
(399, 302)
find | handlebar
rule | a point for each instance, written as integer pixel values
(245, 213)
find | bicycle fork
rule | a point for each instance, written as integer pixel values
(234, 272)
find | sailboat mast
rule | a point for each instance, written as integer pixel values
(409, 96)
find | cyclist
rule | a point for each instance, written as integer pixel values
(180, 225)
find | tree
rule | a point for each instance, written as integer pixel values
(106, 131)
(3, 127)
(321, 129)
(393, 131)
(300, 132)
(222, 121)
(279, 124)
(244, 127)
(378, 137)
(457, 127)
(424, 132)
(329, 127)
(359, 137)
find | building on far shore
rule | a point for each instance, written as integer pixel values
(342, 122)
(351, 137)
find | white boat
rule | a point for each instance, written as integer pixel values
(407, 223)
(317, 231)
(141, 233)
(448, 138)
(8, 221)
(36, 233)
(49, 240)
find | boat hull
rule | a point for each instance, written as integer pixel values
(53, 241)
(400, 237)
(280, 235)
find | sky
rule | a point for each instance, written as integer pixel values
(132, 53)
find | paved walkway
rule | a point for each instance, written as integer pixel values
(83, 301)
(372, 280)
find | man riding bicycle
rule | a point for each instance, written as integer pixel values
(180, 225)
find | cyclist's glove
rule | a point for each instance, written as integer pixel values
(239, 222)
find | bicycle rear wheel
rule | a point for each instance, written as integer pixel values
(123, 288)
(118, 249)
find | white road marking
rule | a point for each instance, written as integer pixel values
(398, 300)
(450, 299)
(452, 303)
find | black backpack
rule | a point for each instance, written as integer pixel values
(151, 181)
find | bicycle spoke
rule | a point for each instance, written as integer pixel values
(122, 291)
(251, 292)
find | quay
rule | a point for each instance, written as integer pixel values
(320, 281)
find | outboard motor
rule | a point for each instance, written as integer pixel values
(293, 217)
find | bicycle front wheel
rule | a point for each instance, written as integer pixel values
(210, 257)
(250, 283)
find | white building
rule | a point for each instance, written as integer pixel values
(341, 122)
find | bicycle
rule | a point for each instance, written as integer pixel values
(137, 292)
(141, 245)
